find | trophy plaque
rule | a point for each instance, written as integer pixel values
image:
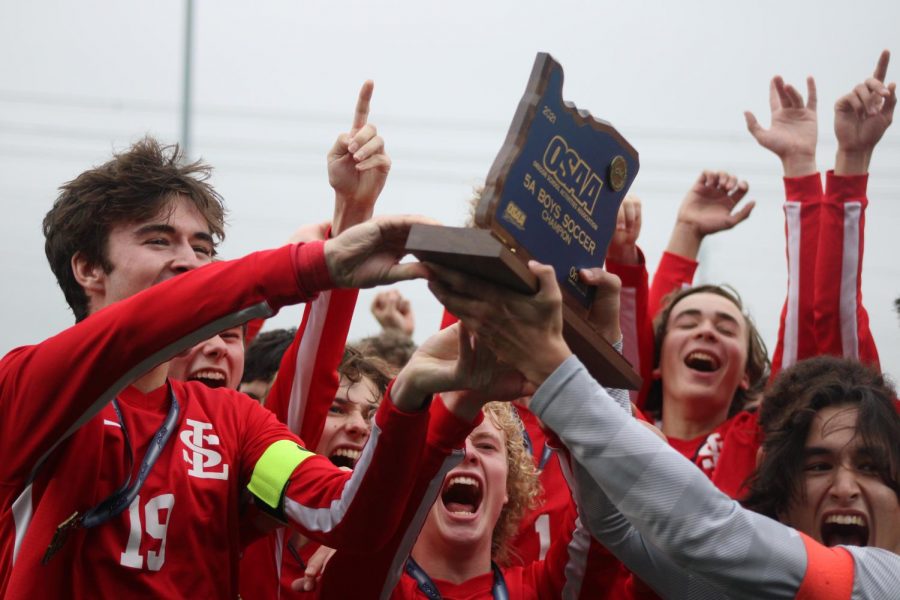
(552, 195)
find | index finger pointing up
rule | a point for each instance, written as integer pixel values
(361, 115)
(881, 68)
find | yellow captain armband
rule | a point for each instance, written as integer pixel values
(273, 469)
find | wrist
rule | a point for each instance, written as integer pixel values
(407, 396)
(626, 254)
(685, 240)
(611, 334)
(349, 211)
(463, 405)
(798, 165)
(852, 162)
(549, 362)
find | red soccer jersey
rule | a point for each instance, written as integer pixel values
(547, 521)
(303, 391)
(180, 535)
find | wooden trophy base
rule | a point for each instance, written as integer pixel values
(478, 253)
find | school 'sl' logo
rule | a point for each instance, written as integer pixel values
(202, 459)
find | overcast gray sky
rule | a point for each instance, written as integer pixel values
(276, 81)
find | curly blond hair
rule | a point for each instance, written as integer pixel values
(522, 485)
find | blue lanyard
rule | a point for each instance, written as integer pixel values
(125, 495)
(427, 586)
(546, 451)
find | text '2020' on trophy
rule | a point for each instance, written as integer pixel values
(552, 195)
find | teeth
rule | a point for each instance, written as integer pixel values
(702, 356)
(465, 513)
(217, 375)
(348, 453)
(463, 481)
(846, 520)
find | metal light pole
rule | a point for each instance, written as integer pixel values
(186, 84)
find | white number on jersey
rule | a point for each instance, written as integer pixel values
(132, 556)
(542, 527)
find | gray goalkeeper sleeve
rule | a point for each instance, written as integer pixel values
(665, 520)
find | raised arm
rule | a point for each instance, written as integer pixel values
(307, 379)
(625, 260)
(792, 138)
(860, 120)
(710, 206)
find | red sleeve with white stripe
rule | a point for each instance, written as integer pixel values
(802, 215)
(635, 321)
(335, 507)
(841, 320)
(307, 379)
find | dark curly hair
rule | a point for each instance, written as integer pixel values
(355, 366)
(788, 410)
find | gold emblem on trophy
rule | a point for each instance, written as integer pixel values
(618, 173)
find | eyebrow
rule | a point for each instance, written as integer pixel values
(811, 451)
(487, 434)
(694, 312)
(168, 229)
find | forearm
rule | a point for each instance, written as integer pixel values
(307, 379)
(335, 508)
(841, 320)
(685, 241)
(673, 273)
(349, 212)
(802, 210)
(47, 395)
(608, 526)
(667, 499)
(852, 162)
(634, 322)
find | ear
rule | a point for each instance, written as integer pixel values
(505, 499)
(745, 381)
(759, 456)
(656, 374)
(89, 276)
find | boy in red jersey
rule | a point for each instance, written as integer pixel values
(92, 407)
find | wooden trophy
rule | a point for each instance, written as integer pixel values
(552, 195)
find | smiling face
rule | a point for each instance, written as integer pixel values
(142, 254)
(473, 495)
(349, 421)
(842, 498)
(216, 362)
(703, 357)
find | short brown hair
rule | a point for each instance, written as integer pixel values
(757, 357)
(355, 366)
(134, 186)
(788, 410)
